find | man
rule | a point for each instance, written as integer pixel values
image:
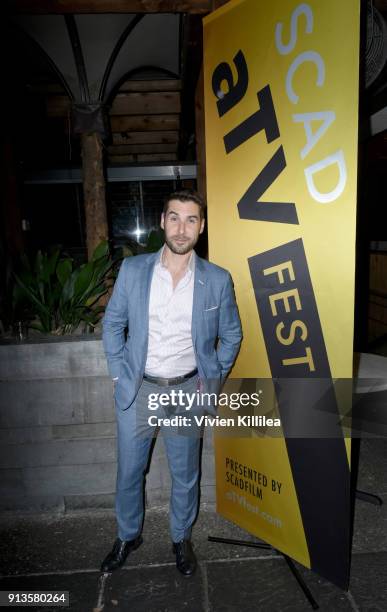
(183, 334)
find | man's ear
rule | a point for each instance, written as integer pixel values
(162, 220)
(202, 224)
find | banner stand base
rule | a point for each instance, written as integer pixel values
(301, 582)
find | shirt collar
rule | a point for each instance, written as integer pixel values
(191, 262)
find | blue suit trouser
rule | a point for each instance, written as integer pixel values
(134, 436)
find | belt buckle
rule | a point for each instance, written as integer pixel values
(170, 382)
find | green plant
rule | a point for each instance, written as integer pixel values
(59, 295)
(155, 240)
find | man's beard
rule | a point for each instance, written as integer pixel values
(180, 249)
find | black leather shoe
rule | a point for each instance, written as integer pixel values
(119, 552)
(185, 557)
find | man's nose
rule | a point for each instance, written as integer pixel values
(181, 227)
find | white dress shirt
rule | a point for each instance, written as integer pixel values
(170, 348)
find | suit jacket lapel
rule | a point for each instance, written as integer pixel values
(145, 288)
(198, 296)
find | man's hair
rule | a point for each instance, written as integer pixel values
(186, 195)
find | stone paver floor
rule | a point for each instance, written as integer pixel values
(64, 552)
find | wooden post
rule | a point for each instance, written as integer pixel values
(94, 190)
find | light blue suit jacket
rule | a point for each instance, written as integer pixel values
(216, 328)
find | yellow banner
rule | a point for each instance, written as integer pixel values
(281, 115)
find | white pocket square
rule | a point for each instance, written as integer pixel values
(212, 308)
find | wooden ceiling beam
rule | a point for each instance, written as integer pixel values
(142, 148)
(128, 138)
(151, 85)
(144, 123)
(154, 103)
(145, 157)
(55, 7)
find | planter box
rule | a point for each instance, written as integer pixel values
(58, 432)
